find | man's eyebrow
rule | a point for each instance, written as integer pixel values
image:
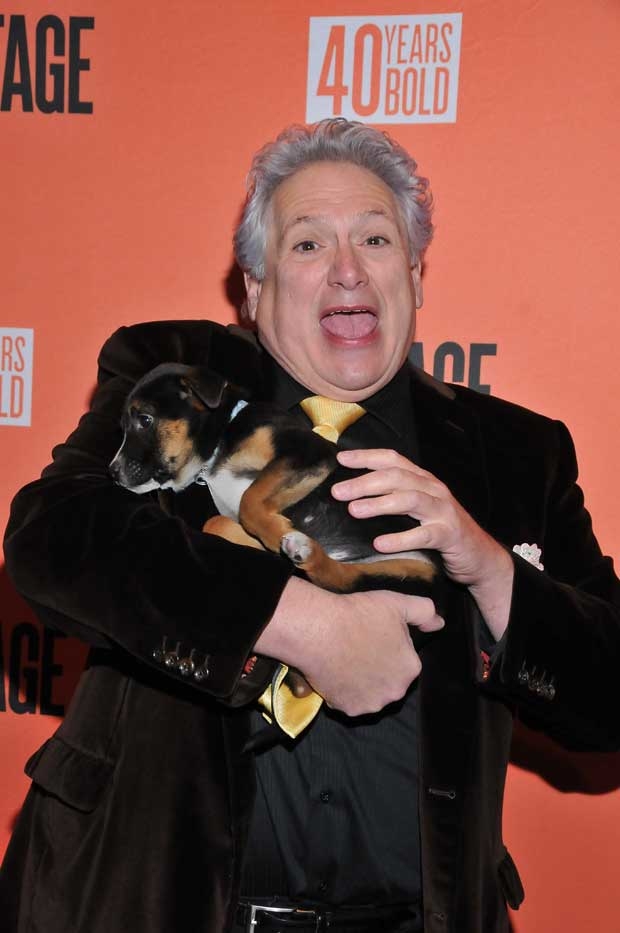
(302, 219)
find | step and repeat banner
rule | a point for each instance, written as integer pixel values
(126, 131)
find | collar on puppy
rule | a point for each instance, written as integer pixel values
(202, 478)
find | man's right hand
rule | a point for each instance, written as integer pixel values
(355, 649)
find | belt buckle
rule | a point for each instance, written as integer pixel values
(253, 922)
(317, 915)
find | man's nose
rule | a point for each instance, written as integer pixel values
(347, 269)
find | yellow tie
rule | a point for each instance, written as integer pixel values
(329, 417)
(279, 703)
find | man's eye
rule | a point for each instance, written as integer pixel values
(144, 421)
(376, 240)
(306, 246)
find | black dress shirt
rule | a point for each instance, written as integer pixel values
(336, 812)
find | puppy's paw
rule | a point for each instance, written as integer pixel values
(297, 546)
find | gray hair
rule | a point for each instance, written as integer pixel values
(332, 140)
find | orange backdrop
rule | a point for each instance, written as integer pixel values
(125, 214)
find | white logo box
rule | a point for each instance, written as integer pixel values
(16, 346)
(384, 69)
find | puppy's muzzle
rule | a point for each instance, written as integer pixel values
(134, 473)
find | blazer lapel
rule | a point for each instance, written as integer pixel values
(450, 443)
(450, 448)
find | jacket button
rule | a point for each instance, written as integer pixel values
(186, 667)
(171, 658)
(159, 653)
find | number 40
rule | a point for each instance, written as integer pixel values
(333, 64)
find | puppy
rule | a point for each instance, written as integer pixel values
(269, 477)
(186, 425)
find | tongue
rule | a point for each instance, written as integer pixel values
(350, 326)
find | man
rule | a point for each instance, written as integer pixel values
(146, 813)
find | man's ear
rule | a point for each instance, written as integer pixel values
(416, 278)
(252, 289)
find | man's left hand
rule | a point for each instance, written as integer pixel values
(396, 486)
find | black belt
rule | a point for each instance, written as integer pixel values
(393, 918)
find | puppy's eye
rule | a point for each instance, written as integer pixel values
(143, 421)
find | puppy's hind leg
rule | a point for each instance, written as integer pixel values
(232, 531)
(342, 577)
(309, 556)
(274, 490)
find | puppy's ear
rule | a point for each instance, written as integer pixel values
(204, 386)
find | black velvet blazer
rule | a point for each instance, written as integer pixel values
(140, 802)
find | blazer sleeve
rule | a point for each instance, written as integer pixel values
(560, 656)
(111, 567)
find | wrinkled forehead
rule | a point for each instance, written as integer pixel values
(330, 193)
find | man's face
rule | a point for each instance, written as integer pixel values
(337, 304)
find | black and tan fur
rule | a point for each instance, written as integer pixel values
(268, 475)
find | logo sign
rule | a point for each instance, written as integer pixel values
(15, 375)
(455, 362)
(384, 69)
(43, 63)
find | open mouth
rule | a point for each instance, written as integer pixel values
(349, 323)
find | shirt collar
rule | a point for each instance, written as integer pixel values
(392, 405)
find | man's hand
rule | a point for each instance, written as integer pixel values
(395, 486)
(354, 649)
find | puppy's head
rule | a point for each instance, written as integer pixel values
(169, 431)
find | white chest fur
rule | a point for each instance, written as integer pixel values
(226, 490)
(226, 487)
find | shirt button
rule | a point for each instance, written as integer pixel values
(325, 796)
(323, 885)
